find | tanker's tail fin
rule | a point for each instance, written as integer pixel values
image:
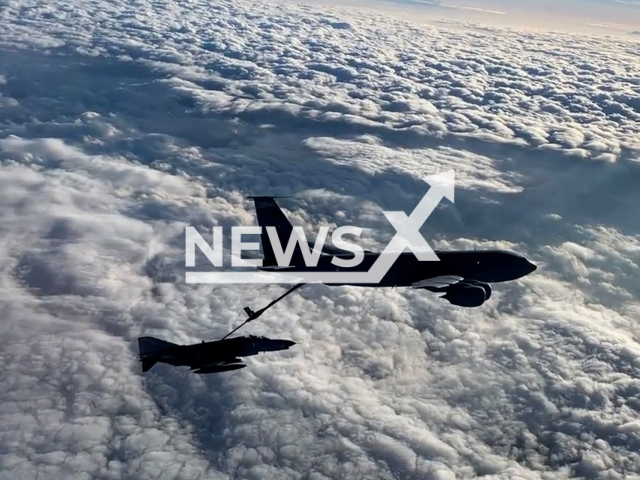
(270, 215)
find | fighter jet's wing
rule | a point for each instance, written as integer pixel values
(437, 282)
(221, 366)
(216, 363)
(226, 367)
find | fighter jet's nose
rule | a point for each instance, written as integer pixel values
(280, 345)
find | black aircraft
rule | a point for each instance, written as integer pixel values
(206, 357)
(463, 276)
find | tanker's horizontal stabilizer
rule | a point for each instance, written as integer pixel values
(220, 368)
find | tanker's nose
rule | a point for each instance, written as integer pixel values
(523, 267)
(531, 267)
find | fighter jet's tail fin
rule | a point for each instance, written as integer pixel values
(270, 215)
(151, 351)
(148, 345)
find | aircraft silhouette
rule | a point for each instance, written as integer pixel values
(206, 357)
(464, 277)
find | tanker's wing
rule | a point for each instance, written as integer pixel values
(436, 283)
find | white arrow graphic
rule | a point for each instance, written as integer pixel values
(442, 185)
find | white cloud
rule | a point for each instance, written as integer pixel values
(121, 124)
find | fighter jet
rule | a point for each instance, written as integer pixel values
(463, 277)
(206, 357)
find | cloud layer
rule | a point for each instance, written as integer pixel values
(123, 123)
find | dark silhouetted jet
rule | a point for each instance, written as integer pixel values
(463, 276)
(206, 357)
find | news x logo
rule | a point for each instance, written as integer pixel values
(407, 236)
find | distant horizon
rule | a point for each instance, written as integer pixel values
(600, 17)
